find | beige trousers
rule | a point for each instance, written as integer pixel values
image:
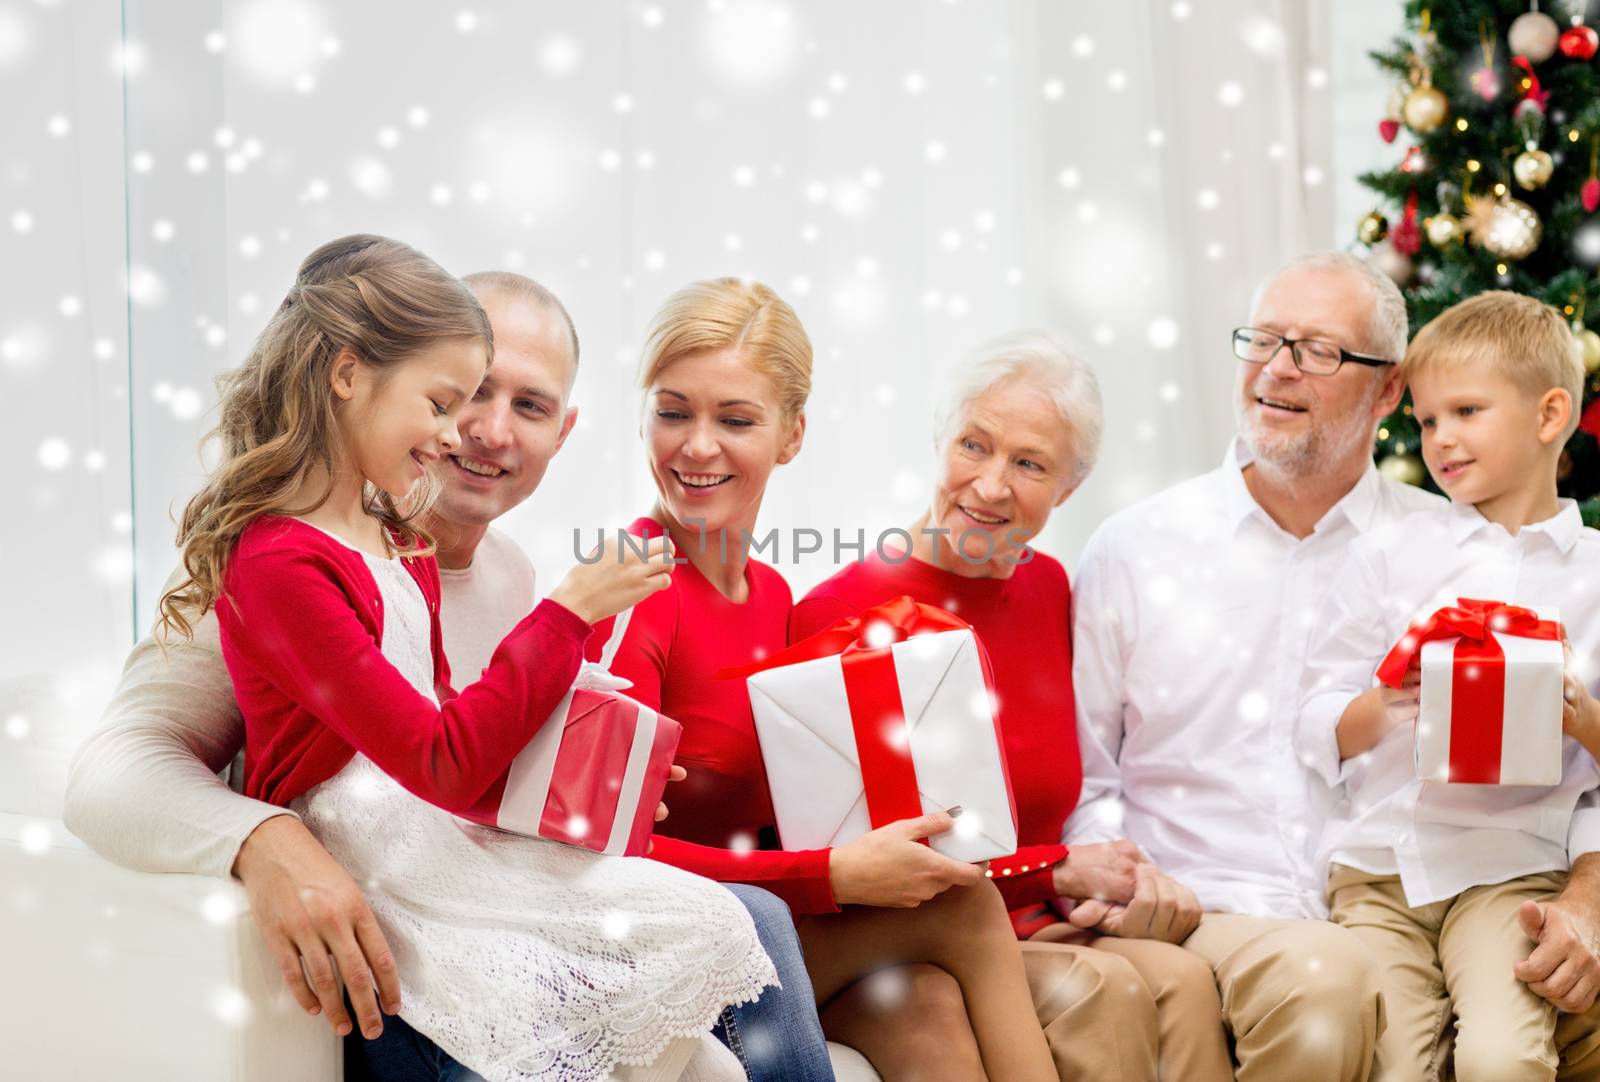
(1299, 997)
(1134, 1010)
(1447, 979)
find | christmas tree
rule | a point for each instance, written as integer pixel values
(1496, 122)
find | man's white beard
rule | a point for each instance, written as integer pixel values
(1318, 448)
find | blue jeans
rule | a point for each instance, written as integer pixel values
(778, 1038)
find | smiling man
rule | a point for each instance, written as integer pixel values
(1193, 616)
(1192, 613)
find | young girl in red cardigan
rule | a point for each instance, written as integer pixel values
(521, 958)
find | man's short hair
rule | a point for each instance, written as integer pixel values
(1523, 339)
(524, 288)
(1386, 328)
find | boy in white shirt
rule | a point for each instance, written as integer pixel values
(1439, 879)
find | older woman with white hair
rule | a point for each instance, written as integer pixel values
(1019, 433)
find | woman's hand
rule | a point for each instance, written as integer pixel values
(890, 867)
(1162, 908)
(317, 926)
(1101, 870)
(617, 578)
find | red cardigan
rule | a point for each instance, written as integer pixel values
(301, 621)
(1026, 629)
(675, 642)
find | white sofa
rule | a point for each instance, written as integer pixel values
(110, 973)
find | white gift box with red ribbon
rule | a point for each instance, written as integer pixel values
(880, 718)
(1491, 694)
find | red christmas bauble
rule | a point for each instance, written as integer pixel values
(1590, 194)
(1579, 42)
(1388, 129)
(1405, 237)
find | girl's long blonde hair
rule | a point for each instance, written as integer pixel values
(382, 300)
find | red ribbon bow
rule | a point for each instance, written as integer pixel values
(862, 644)
(1535, 94)
(1477, 693)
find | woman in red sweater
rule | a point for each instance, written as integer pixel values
(726, 372)
(1020, 435)
(521, 958)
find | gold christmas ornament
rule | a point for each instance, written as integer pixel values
(1504, 227)
(1425, 109)
(1372, 228)
(1394, 107)
(1443, 230)
(1532, 169)
(1407, 469)
(1589, 344)
(1534, 35)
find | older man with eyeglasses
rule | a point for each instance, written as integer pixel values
(1193, 615)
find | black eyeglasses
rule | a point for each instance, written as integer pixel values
(1311, 355)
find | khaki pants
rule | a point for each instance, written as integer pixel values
(1133, 1010)
(1299, 997)
(1451, 961)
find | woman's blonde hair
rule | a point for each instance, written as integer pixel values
(733, 313)
(381, 300)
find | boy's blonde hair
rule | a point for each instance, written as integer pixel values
(380, 299)
(1524, 339)
(733, 313)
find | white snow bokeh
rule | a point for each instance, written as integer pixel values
(751, 42)
(278, 42)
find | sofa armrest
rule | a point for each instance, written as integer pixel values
(114, 973)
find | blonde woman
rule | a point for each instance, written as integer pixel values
(725, 373)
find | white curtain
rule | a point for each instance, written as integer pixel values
(913, 176)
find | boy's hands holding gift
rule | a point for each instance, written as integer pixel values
(1372, 714)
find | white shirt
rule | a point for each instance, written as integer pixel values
(144, 790)
(1442, 838)
(1192, 611)
(481, 603)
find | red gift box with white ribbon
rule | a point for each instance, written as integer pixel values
(593, 774)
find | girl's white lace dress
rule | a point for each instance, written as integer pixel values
(522, 958)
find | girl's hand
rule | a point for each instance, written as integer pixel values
(890, 867)
(616, 578)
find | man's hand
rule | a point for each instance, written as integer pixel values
(1162, 908)
(1099, 870)
(1564, 967)
(318, 926)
